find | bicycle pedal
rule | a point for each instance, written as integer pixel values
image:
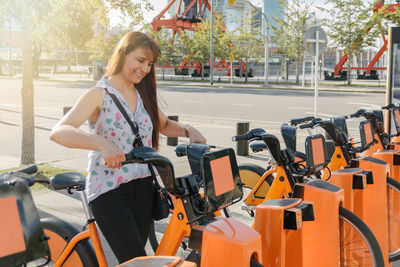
(248, 207)
(184, 246)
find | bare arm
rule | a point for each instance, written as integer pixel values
(172, 128)
(67, 133)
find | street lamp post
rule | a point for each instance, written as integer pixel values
(212, 45)
(10, 48)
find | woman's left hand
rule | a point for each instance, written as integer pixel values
(195, 136)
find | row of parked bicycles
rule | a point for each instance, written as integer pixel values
(337, 203)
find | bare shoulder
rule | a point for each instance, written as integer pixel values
(94, 95)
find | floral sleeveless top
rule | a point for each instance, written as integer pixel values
(112, 125)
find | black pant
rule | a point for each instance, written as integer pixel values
(124, 216)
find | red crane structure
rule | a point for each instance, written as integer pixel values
(185, 18)
(379, 6)
(187, 15)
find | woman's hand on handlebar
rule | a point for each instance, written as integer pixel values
(195, 136)
(111, 154)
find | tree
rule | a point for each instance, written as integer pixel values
(289, 33)
(33, 15)
(347, 25)
(72, 25)
(247, 39)
(29, 15)
(197, 45)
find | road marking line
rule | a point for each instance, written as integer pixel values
(322, 114)
(298, 108)
(373, 106)
(227, 119)
(241, 104)
(193, 101)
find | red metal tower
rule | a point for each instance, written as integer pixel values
(380, 6)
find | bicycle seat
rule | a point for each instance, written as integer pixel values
(68, 180)
(341, 125)
(289, 136)
(258, 146)
(194, 153)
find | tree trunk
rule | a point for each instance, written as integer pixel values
(68, 60)
(28, 123)
(202, 71)
(297, 70)
(246, 71)
(349, 68)
(36, 56)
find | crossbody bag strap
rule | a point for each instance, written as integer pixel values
(135, 129)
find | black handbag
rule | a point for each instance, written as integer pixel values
(162, 201)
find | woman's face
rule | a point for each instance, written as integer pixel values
(137, 65)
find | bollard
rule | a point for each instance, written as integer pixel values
(172, 141)
(242, 147)
(65, 110)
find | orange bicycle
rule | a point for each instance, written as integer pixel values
(210, 237)
(289, 174)
(26, 239)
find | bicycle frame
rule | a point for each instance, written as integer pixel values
(91, 233)
(177, 229)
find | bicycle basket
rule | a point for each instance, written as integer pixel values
(21, 235)
(316, 153)
(366, 133)
(222, 184)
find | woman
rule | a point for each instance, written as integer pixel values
(121, 197)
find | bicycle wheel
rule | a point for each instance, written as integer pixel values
(60, 233)
(358, 245)
(250, 174)
(393, 197)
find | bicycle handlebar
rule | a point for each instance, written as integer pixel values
(253, 133)
(28, 170)
(295, 122)
(358, 113)
(390, 106)
(307, 125)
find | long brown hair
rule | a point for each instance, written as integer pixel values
(147, 86)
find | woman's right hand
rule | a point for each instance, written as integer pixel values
(111, 154)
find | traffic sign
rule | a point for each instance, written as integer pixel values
(310, 40)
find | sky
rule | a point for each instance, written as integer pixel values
(159, 5)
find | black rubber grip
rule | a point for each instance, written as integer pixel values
(29, 170)
(295, 122)
(307, 125)
(245, 136)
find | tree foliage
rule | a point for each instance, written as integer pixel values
(131, 11)
(248, 41)
(197, 44)
(289, 33)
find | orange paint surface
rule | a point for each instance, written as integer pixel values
(11, 236)
(222, 175)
